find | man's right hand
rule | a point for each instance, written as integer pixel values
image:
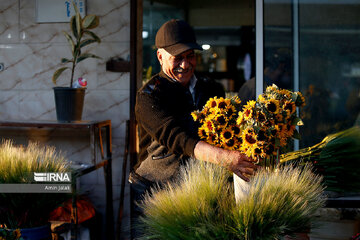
(235, 161)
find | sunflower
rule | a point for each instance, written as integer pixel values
(235, 100)
(17, 233)
(289, 107)
(259, 151)
(279, 117)
(300, 100)
(240, 120)
(221, 119)
(223, 103)
(230, 111)
(202, 132)
(211, 103)
(285, 93)
(271, 89)
(212, 139)
(260, 117)
(230, 144)
(261, 98)
(236, 129)
(226, 134)
(272, 106)
(249, 137)
(248, 109)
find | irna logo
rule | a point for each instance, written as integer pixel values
(52, 177)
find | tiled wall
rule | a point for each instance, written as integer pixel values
(31, 52)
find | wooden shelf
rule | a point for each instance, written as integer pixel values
(118, 66)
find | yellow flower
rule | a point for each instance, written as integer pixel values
(272, 106)
(289, 107)
(209, 126)
(236, 100)
(226, 134)
(285, 93)
(230, 111)
(211, 103)
(202, 132)
(195, 115)
(223, 103)
(236, 130)
(17, 233)
(300, 100)
(279, 117)
(249, 137)
(230, 144)
(240, 119)
(261, 98)
(248, 109)
(272, 88)
(221, 119)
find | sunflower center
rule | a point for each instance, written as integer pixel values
(221, 120)
(227, 135)
(271, 107)
(250, 139)
(230, 143)
(222, 105)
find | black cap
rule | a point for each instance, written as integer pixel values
(176, 36)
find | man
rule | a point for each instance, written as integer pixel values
(276, 72)
(168, 134)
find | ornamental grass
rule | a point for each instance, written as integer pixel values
(202, 205)
(17, 165)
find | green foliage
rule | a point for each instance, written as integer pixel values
(79, 29)
(17, 164)
(336, 157)
(202, 205)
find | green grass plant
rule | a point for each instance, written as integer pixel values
(17, 164)
(196, 207)
(202, 205)
(278, 203)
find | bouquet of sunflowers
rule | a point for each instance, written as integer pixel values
(259, 130)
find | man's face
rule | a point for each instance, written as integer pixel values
(180, 67)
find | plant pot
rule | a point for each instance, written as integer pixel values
(241, 188)
(69, 103)
(36, 233)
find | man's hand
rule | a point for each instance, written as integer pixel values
(235, 161)
(241, 165)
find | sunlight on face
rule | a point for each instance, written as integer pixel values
(180, 67)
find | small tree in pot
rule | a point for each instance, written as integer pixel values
(79, 37)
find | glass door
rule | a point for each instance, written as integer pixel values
(312, 46)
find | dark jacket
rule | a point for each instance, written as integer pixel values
(167, 132)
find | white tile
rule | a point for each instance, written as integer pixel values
(114, 19)
(32, 32)
(9, 32)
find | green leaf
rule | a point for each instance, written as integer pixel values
(297, 121)
(90, 22)
(296, 134)
(65, 60)
(87, 42)
(73, 27)
(57, 73)
(85, 56)
(70, 41)
(77, 20)
(93, 35)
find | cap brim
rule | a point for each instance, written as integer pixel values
(179, 48)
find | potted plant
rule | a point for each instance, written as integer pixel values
(69, 100)
(28, 212)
